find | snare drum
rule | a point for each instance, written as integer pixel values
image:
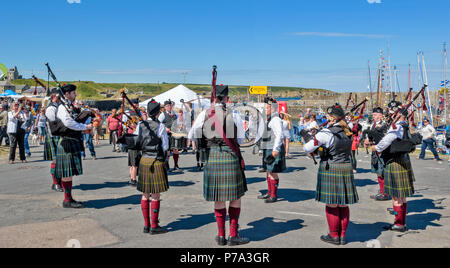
(178, 142)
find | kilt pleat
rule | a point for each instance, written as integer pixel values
(152, 177)
(399, 179)
(279, 165)
(223, 179)
(68, 158)
(377, 164)
(50, 147)
(336, 185)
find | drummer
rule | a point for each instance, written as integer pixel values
(168, 117)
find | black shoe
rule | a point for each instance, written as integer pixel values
(332, 240)
(270, 200)
(75, 201)
(261, 170)
(263, 196)
(72, 204)
(57, 188)
(392, 211)
(343, 241)
(396, 228)
(157, 230)
(132, 183)
(114, 150)
(382, 197)
(236, 241)
(146, 229)
(221, 241)
(176, 168)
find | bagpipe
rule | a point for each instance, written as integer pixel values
(131, 123)
(76, 113)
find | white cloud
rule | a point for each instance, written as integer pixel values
(374, 1)
(74, 1)
(321, 34)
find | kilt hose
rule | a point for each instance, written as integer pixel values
(399, 179)
(152, 177)
(336, 184)
(223, 178)
(50, 147)
(68, 158)
(134, 157)
(279, 165)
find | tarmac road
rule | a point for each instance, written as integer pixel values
(32, 214)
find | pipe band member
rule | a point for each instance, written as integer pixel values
(168, 118)
(335, 179)
(223, 176)
(68, 155)
(373, 136)
(274, 153)
(150, 137)
(52, 140)
(398, 172)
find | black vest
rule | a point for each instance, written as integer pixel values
(149, 142)
(340, 150)
(58, 128)
(168, 119)
(387, 154)
(217, 140)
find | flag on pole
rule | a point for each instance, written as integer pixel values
(445, 83)
(3, 71)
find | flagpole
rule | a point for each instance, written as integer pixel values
(430, 113)
(445, 90)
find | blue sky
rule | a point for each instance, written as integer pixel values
(314, 43)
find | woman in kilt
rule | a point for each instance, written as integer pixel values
(68, 155)
(335, 180)
(151, 139)
(51, 142)
(224, 178)
(398, 173)
(273, 148)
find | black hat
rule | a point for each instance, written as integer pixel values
(135, 101)
(336, 110)
(153, 107)
(378, 110)
(68, 88)
(269, 100)
(393, 105)
(54, 91)
(221, 91)
(168, 102)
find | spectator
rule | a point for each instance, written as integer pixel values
(428, 133)
(87, 138)
(97, 123)
(112, 127)
(28, 127)
(287, 126)
(3, 125)
(40, 123)
(16, 118)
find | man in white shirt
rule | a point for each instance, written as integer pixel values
(16, 118)
(428, 133)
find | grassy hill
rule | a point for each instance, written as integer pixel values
(96, 91)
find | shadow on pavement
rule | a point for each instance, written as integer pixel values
(267, 228)
(180, 183)
(422, 221)
(255, 180)
(423, 205)
(294, 169)
(363, 170)
(111, 157)
(87, 187)
(364, 232)
(191, 222)
(293, 195)
(106, 203)
(364, 182)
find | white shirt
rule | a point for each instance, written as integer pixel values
(12, 121)
(324, 138)
(311, 125)
(50, 113)
(162, 134)
(390, 137)
(276, 124)
(428, 132)
(68, 121)
(200, 121)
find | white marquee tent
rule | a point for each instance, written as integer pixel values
(177, 94)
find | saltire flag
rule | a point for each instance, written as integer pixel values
(444, 83)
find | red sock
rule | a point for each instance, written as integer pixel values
(221, 215)
(175, 159)
(67, 186)
(146, 212)
(52, 172)
(274, 188)
(155, 213)
(345, 219)
(269, 187)
(405, 212)
(234, 218)
(399, 216)
(334, 221)
(381, 183)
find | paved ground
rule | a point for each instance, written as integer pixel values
(32, 215)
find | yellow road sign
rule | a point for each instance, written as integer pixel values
(258, 90)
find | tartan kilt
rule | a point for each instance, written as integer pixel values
(279, 165)
(223, 178)
(68, 158)
(134, 156)
(336, 185)
(50, 147)
(377, 164)
(399, 179)
(152, 177)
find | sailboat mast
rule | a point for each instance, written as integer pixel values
(445, 89)
(370, 87)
